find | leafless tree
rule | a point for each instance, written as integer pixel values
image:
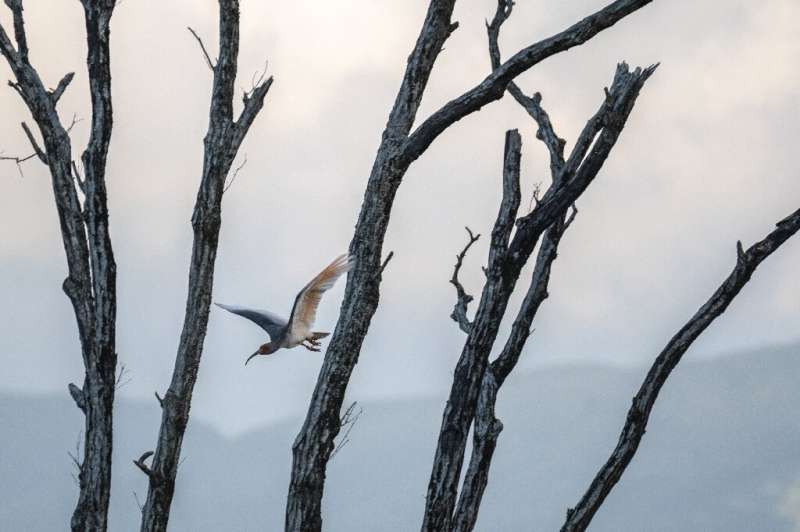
(91, 282)
(440, 512)
(83, 217)
(399, 148)
(225, 135)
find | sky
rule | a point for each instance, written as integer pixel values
(707, 158)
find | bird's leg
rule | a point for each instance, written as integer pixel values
(310, 347)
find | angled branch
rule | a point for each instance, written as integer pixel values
(459, 314)
(555, 144)
(493, 87)
(253, 102)
(37, 150)
(140, 463)
(385, 263)
(56, 93)
(77, 396)
(601, 134)
(578, 518)
(209, 62)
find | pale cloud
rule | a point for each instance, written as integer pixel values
(708, 158)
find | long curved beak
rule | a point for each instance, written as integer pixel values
(251, 356)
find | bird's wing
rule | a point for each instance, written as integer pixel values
(272, 323)
(305, 305)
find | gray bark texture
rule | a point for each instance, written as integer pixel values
(579, 517)
(91, 281)
(506, 260)
(399, 147)
(221, 144)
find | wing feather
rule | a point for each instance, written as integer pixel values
(272, 323)
(304, 311)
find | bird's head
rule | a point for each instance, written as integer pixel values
(265, 349)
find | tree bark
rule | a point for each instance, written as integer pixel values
(505, 263)
(91, 281)
(398, 149)
(579, 517)
(221, 144)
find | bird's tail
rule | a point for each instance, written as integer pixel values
(318, 335)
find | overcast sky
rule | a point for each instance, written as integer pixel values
(708, 157)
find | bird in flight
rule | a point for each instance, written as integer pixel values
(297, 329)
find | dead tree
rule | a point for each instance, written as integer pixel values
(83, 217)
(399, 148)
(507, 257)
(486, 427)
(225, 135)
(579, 517)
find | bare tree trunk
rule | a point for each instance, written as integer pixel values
(221, 144)
(486, 427)
(91, 282)
(399, 147)
(578, 518)
(505, 263)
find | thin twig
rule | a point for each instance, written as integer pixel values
(235, 173)
(349, 420)
(209, 62)
(389, 257)
(459, 314)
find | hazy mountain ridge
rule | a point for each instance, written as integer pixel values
(722, 450)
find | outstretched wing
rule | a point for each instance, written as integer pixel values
(272, 323)
(304, 311)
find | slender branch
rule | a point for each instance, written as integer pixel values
(235, 173)
(459, 314)
(505, 265)
(578, 518)
(493, 87)
(37, 150)
(385, 263)
(348, 422)
(555, 144)
(209, 62)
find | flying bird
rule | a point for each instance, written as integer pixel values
(297, 329)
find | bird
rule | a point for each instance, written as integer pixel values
(286, 334)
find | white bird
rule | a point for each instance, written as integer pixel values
(297, 329)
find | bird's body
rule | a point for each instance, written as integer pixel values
(297, 330)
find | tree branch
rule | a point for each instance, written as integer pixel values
(56, 93)
(209, 62)
(140, 463)
(504, 270)
(221, 144)
(459, 314)
(36, 149)
(77, 396)
(19, 29)
(493, 87)
(578, 518)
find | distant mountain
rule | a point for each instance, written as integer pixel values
(721, 454)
